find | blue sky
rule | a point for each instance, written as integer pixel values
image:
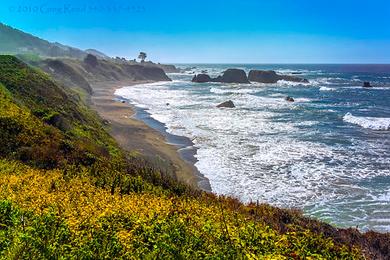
(221, 31)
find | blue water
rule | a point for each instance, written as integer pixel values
(327, 153)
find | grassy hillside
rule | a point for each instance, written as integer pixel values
(68, 191)
(13, 41)
(80, 75)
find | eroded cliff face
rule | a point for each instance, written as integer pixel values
(81, 73)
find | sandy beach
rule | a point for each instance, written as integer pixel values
(135, 135)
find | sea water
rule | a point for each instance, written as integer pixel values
(327, 153)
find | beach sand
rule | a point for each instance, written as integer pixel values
(135, 135)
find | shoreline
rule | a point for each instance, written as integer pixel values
(135, 130)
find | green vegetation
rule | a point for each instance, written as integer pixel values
(13, 41)
(68, 191)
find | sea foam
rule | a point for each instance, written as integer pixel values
(326, 89)
(374, 123)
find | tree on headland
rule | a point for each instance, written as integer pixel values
(142, 56)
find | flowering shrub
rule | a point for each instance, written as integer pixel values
(145, 224)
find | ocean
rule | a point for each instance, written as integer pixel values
(327, 153)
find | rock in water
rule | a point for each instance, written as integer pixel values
(239, 76)
(263, 76)
(233, 76)
(289, 99)
(292, 78)
(367, 84)
(270, 76)
(228, 104)
(201, 78)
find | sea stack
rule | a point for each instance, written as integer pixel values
(271, 77)
(233, 76)
(201, 78)
(263, 76)
(228, 76)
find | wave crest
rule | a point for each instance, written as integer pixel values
(326, 89)
(374, 123)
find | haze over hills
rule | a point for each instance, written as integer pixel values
(14, 41)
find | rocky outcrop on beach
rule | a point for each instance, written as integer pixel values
(270, 76)
(140, 72)
(201, 78)
(228, 104)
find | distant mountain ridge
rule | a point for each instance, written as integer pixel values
(26, 46)
(14, 41)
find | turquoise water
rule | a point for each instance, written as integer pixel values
(327, 153)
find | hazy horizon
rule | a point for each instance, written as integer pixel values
(246, 32)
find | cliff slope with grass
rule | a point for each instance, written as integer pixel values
(81, 74)
(68, 191)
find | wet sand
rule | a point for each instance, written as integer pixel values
(135, 130)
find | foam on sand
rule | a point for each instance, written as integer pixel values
(374, 123)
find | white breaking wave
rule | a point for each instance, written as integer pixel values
(285, 83)
(231, 90)
(327, 89)
(302, 100)
(374, 123)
